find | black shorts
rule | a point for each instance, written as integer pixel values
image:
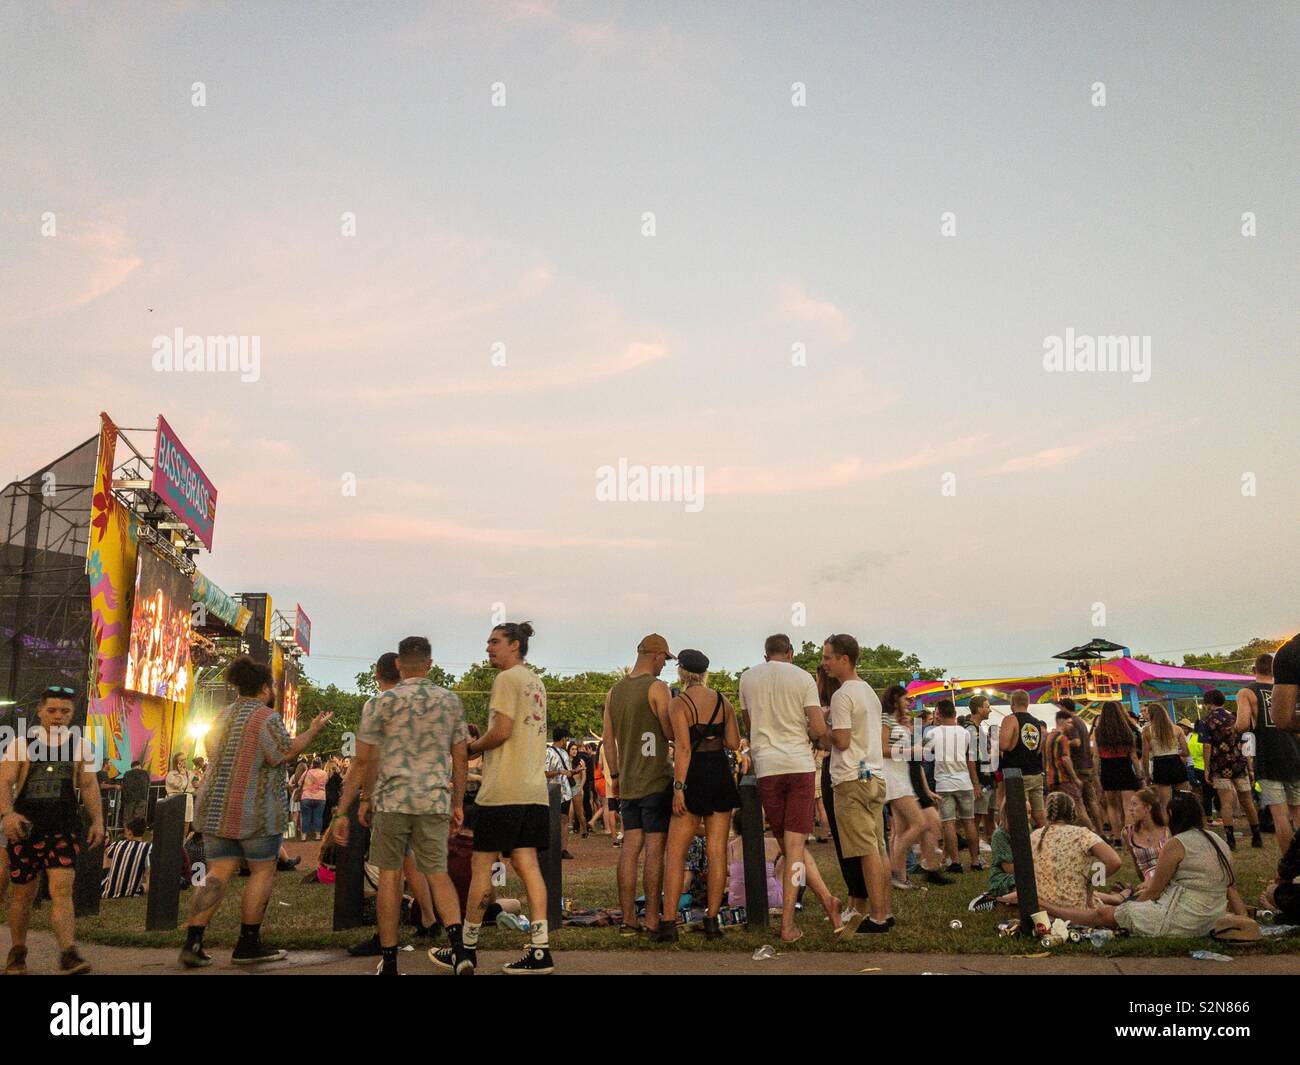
(710, 787)
(42, 850)
(502, 829)
(650, 813)
(1117, 775)
(1168, 769)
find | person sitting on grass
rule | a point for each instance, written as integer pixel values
(1147, 831)
(126, 863)
(1283, 892)
(1002, 876)
(1064, 858)
(1192, 887)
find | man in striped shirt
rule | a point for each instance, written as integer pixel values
(127, 863)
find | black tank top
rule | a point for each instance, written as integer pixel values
(1277, 755)
(49, 796)
(706, 737)
(1027, 754)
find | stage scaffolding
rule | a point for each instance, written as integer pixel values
(44, 590)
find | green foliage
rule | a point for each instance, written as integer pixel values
(345, 706)
(879, 666)
(1242, 660)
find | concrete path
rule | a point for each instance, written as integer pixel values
(152, 961)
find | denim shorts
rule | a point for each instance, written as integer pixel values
(253, 849)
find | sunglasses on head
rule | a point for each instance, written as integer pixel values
(55, 689)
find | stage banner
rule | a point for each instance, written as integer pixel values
(219, 604)
(126, 725)
(178, 482)
(302, 629)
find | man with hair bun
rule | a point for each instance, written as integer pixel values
(242, 808)
(514, 817)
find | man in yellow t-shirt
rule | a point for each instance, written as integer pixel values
(513, 802)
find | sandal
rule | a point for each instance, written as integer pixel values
(16, 963)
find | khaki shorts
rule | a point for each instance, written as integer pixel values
(987, 802)
(1034, 793)
(1241, 783)
(1279, 792)
(860, 817)
(392, 834)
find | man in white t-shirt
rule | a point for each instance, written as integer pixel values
(783, 719)
(858, 743)
(956, 782)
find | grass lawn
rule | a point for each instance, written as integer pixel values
(300, 915)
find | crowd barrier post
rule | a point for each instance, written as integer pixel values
(552, 862)
(755, 855)
(87, 880)
(1022, 853)
(162, 907)
(350, 874)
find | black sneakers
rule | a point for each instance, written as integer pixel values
(712, 927)
(446, 958)
(955, 867)
(255, 952)
(666, 932)
(869, 926)
(71, 963)
(535, 962)
(933, 876)
(194, 957)
(982, 903)
(367, 948)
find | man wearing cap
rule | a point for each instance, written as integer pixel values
(636, 728)
(783, 719)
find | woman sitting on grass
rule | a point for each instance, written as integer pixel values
(1064, 857)
(1193, 884)
(1147, 832)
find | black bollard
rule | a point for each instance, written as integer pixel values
(1022, 853)
(552, 863)
(350, 874)
(162, 908)
(87, 881)
(755, 855)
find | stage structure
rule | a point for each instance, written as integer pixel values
(1091, 679)
(99, 590)
(44, 590)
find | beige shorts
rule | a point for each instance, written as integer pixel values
(1279, 792)
(1034, 793)
(1241, 783)
(425, 835)
(860, 817)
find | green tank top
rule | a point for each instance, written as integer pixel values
(1195, 750)
(642, 747)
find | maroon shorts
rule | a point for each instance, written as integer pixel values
(789, 800)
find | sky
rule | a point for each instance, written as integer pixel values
(814, 252)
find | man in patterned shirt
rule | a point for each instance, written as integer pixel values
(1227, 769)
(242, 808)
(412, 769)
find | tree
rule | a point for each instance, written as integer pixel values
(1242, 660)
(345, 706)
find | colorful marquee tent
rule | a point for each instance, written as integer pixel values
(1124, 679)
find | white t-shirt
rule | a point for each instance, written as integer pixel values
(951, 747)
(857, 708)
(775, 695)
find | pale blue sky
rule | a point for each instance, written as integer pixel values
(775, 225)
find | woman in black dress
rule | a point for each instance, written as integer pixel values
(704, 729)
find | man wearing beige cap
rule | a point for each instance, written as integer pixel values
(636, 729)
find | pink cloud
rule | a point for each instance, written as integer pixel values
(796, 305)
(1046, 459)
(78, 265)
(374, 527)
(809, 477)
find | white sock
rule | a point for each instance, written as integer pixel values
(469, 936)
(540, 935)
